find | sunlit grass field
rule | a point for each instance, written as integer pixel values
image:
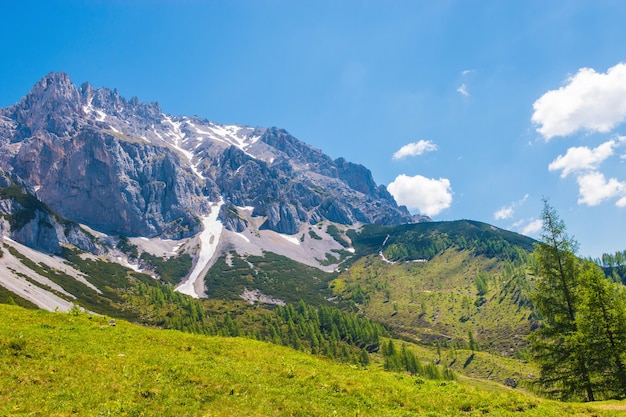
(54, 364)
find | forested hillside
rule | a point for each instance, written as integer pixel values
(440, 282)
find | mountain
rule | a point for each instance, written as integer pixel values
(125, 167)
(99, 193)
(117, 168)
(114, 206)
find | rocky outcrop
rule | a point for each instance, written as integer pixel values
(32, 223)
(282, 218)
(50, 106)
(113, 185)
(231, 219)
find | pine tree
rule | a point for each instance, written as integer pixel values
(556, 345)
(364, 358)
(602, 324)
(473, 345)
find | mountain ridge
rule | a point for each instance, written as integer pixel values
(130, 130)
(116, 167)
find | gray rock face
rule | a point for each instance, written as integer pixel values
(232, 220)
(30, 222)
(282, 218)
(95, 174)
(50, 106)
(113, 185)
(125, 167)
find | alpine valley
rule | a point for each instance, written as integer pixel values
(112, 208)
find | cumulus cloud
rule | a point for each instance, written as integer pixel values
(463, 90)
(429, 196)
(582, 158)
(415, 149)
(589, 100)
(532, 227)
(507, 212)
(594, 189)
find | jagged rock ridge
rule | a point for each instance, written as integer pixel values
(125, 167)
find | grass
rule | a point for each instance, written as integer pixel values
(54, 364)
(438, 300)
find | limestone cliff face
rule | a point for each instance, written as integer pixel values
(95, 174)
(113, 185)
(124, 167)
(32, 223)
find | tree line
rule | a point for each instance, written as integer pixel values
(323, 330)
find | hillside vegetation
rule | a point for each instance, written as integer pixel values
(78, 364)
(438, 282)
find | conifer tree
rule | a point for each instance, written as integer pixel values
(364, 358)
(602, 324)
(556, 345)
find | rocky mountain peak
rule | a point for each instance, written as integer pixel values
(356, 176)
(110, 102)
(124, 167)
(50, 106)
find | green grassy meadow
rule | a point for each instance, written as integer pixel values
(54, 364)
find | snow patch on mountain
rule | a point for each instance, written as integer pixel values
(289, 238)
(179, 137)
(238, 136)
(241, 235)
(157, 246)
(209, 240)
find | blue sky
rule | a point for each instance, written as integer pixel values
(472, 109)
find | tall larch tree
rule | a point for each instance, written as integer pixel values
(601, 322)
(556, 345)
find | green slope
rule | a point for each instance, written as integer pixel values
(440, 281)
(64, 364)
(425, 240)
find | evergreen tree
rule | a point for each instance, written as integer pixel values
(473, 345)
(556, 345)
(364, 358)
(602, 324)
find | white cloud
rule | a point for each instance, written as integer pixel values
(532, 227)
(589, 100)
(463, 90)
(504, 213)
(594, 189)
(582, 158)
(415, 149)
(507, 212)
(429, 196)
